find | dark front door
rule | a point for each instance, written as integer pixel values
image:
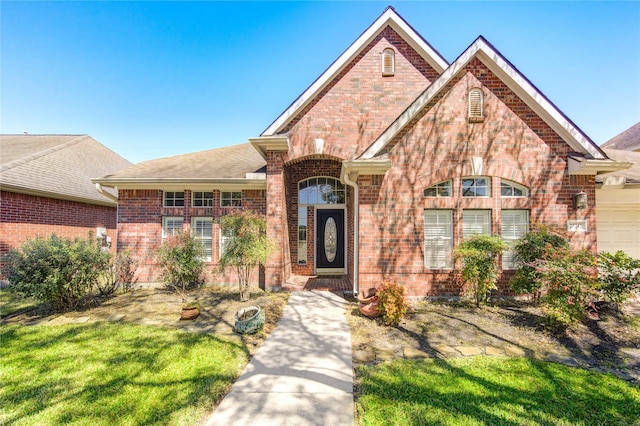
(330, 239)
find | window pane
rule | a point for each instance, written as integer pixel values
(438, 238)
(476, 187)
(321, 190)
(475, 222)
(515, 224)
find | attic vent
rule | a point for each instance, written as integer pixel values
(476, 112)
(388, 62)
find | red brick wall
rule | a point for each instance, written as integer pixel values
(140, 228)
(23, 216)
(439, 144)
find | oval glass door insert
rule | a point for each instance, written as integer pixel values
(330, 239)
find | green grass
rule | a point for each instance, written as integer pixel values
(11, 302)
(492, 391)
(108, 374)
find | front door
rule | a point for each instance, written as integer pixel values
(330, 241)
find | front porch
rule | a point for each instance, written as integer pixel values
(332, 283)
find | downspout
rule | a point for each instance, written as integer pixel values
(101, 190)
(356, 236)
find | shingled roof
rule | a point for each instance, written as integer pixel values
(630, 175)
(57, 166)
(236, 163)
(629, 140)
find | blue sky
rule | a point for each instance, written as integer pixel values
(153, 79)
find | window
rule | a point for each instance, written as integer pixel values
(512, 189)
(388, 62)
(173, 199)
(202, 199)
(201, 228)
(476, 104)
(321, 190)
(226, 234)
(442, 189)
(476, 187)
(438, 239)
(515, 224)
(302, 235)
(475, 222)
(171, 225)
(231, 199)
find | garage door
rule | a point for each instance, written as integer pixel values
(619, 228)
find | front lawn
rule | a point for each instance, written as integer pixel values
(492, 391)
(11, 302)
(107, 374)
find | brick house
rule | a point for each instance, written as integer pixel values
(46, 188)
(388, 160)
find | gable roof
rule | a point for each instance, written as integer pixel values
(57, 166)
(519, 84)
(388, 18)
(629, 140)
(232, 165)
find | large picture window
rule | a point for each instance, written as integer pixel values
(438, 239)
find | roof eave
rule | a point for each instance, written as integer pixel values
(358, 167)
(45, 194)
(225, 184)
(587, 166)
(270, 143)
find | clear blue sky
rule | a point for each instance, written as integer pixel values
(153, 79)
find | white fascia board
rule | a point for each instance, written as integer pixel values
(377, 166)
(27, 191)
(513, 79)
(231, 184)
(270, 143)
(389, 17)
(586, 166)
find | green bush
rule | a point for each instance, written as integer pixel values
(119, 274)
(56, 270)
(392, 302)
(619, 276)
(528, 249)
(478, 255)
(181, 259)
(568, 279)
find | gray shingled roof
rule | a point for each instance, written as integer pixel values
(57, 166)
(629, 140)
(232, 162)
(632, 174)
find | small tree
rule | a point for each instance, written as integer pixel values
(119, 274)
(246, 247)
(181, 258)
(619, 276)
(528, 249)
(478, 255)
(57, 270)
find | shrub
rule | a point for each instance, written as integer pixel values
(181, 258)
(528, 249)
(392, 302)
(247, 247)
(119, 274)
(619, 276)
(57, 270)
(478, 255)
(568, 279)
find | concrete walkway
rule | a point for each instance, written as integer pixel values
(302, 374)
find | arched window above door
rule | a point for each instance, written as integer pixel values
(321, 190)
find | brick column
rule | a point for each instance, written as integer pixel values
(274, 269)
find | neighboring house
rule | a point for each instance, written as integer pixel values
(45, 183)
(381, 167)
(618, 197)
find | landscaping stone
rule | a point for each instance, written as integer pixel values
(364, 355)
(493, 351)
(79, 320)
(385, 355)
(515, 351)
(61, 320)
(469, 350)
(414, 353)
(115, 317)
(446, 351)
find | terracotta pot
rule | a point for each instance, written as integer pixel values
(189, 313)
(369, 307)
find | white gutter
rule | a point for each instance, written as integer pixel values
(356, 219)
(105, 193)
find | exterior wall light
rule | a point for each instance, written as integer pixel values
(580, 200)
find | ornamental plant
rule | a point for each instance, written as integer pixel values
(181, 259)
(246, 248)
(568, 279)
(61, 271)
(478, 256)
(119, 275)
(528, 249)
(619, 276)
(392, 302)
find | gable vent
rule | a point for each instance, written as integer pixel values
(475, 104)
(388, 62)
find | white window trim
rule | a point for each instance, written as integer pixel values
(164, 199)
(231, 198)
(165, 220)
(507, 256)
(388, 55)
(440, 185)
(443, 244)
(488, 186)
(484, 214)
(209, 201)
(515, 185)
(195, 219)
